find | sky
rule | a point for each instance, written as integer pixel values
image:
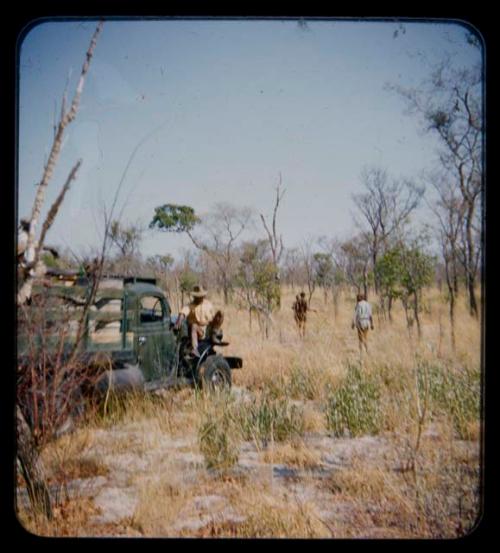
(197, 112)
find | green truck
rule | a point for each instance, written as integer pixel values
(131, 323)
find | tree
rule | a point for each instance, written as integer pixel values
(324, 272)
(404, 270)
(31, 261)
(126, 239)
(275, 240)
(385, 206)
(257, 289)
(291, 266)
(449, 105)
(449, 212)
(308, 263)
(29, 266)
(353, 257)
(219, 229)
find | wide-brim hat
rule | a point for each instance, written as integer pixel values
(199, 292)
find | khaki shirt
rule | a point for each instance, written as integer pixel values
(200, 314)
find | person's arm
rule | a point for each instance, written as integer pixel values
(183, 313)
(371, 318)
(179, 321)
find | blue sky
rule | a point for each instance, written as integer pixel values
(220, 108)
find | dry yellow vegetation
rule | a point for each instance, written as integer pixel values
(313, 442)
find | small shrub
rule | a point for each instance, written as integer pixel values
(354, 405)
(304, 383)
(271, 418)
(455, 393)
(218, 434)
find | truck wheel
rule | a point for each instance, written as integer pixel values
(214, 374)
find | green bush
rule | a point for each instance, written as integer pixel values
(354, 405)
(304, 384)
(455, 393)
(218, 435)
(270, 418)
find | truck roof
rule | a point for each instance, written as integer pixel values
(140, 288)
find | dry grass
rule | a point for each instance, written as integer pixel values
(291, 383)
(294, 454)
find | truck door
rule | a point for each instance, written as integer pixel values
(155, 341)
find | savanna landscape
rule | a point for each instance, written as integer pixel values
(314, 436)
(312, 441)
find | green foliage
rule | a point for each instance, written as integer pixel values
(174, 218)
(160, 263)
(455, 393)
(187, 281)
(324, 270)
(49, 260)
(404, 270)
(258, 276)
(271, 418)
(354, 405)
(218, 434)
(304, 384)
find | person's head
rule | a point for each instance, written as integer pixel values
(198, 293)
(360, 297)
(302, 295)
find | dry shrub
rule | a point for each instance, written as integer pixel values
(70, 519)
(265, 512)
(160, 500)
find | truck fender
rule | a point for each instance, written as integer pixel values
(127, 379)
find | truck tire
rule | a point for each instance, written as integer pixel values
(214, 374)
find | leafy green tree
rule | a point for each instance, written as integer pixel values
(256, 280)
(404, 270)
(174, 218)
(218, 233)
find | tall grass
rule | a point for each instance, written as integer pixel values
(354, 406)
(456, 394)
(219, 434)
(271, 419)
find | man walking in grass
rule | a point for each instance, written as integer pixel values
(362, 320)
(300, 309)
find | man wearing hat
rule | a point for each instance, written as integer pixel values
(199, 313)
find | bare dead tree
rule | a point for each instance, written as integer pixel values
(275, 240)
(27, 453)
(34, 247)
(307, 259)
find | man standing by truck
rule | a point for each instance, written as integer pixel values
(199, 313)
